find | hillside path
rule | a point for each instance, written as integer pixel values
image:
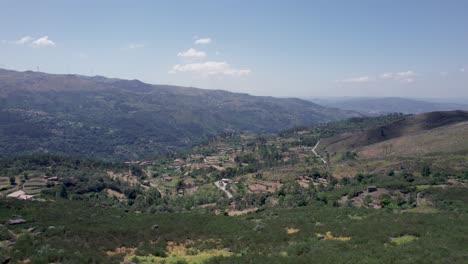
(317, 155)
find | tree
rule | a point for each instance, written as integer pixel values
(426, 171)
(12, 180)
(137, 171)
(345, 181)
(368, 200)
(153, 196)
(62, 192)
(140, 202)
(179, 184)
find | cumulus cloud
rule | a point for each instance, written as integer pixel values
(210, 68)
(360, 79)
(43, 42)
(24, 40)
(203, 41)
(192, 53)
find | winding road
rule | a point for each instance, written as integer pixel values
(222, 187)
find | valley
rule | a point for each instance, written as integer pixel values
(326, 181)
(233, 132)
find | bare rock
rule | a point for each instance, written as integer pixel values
(16, 221)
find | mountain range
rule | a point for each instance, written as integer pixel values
(384, 105)
(116, 119)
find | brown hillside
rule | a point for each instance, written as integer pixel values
(410, 126)
(445, 139)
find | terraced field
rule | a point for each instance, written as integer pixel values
(34, 186)
(4, 183)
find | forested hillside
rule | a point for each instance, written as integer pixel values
(118, 119)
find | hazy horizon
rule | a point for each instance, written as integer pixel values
(320, 49)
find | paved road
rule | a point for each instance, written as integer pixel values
(317, 155)
(222, 187)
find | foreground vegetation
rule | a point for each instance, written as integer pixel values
(75, 232)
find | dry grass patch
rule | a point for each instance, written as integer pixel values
(291, 231)
(241, 212)
(329, 236)
(182, 253)
(122, 250)
(403, 239)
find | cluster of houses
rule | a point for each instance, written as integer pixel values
(22, 195)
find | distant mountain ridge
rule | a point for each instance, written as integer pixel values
(386, 105)
(118, 119)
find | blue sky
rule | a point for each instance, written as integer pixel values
(278, 48)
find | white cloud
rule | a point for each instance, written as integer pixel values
(133, 46)
(83, 56)
(210, 68)
(404, 76)
(203, 41)
(462, 69)
(192, 53)
(23, 40)
(397, 75)
(360, 79)
(387, 75)
(43, 42)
